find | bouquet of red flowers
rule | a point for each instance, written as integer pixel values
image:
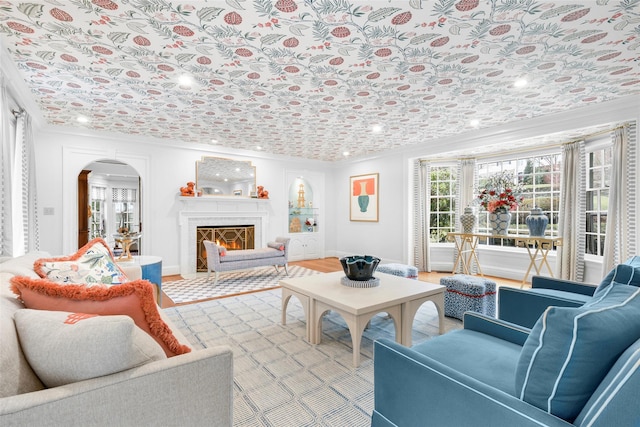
(501, 193)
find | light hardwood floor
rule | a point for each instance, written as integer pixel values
(328, 265)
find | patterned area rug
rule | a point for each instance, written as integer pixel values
(229, 283)
(279, 378)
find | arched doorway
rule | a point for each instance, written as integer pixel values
(109, 200)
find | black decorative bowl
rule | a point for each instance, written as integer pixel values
(359, 267)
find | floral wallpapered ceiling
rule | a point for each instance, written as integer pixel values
(310, 78)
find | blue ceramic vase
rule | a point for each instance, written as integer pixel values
(468, 220)
(537, 222)
(499, 222)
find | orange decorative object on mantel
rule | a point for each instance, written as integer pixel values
(262, 193)
(189, 190)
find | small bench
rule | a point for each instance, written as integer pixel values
(219, 259)
(402, 270)
(468, 293)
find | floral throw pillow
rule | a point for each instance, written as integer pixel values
(92, 265)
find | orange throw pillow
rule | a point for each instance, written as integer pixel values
(134, 299)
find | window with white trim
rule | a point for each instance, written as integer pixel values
(442, 219)
(597, 198)
(539, 179)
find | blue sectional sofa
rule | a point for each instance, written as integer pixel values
(524, 306)
(577, 366)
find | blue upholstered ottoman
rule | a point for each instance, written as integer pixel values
(468, 293)
(402, 270)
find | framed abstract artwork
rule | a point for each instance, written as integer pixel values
(363, 197)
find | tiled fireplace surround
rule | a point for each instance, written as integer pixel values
(217, 211)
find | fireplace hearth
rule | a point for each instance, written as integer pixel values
(226, 212)
(232, 237)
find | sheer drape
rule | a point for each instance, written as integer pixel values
(6, 154)
(466, 185)
(571, 224)
(422, 180)
(18, 191)
(619, 241)
(466, 180)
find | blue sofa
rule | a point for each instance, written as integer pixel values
(576, 366)
(524, 306)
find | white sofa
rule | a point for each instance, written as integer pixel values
(192, 389)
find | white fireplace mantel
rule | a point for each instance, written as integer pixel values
(217, 211)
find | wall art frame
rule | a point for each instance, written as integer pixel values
(364, 197)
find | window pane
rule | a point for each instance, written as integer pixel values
(539, 178)
(597, 199)
(442, 202)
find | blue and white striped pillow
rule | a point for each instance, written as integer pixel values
(570, 350)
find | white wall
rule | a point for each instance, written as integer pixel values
(163, 169)
(388, 238)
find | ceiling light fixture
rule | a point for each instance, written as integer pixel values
(258, 148)
(520, 83)
(376, 128)
(214, 141)
(185, 80)
(345, 153)
(475, 123)
(83, 119)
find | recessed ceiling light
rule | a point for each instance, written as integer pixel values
(185, 80)
(345, 153)
(258, 148)
(475, 123)
(520, 83)
(376, 128)
(83, 119)
(214, 141)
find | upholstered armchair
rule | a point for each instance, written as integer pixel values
(577, 366)
(524, 306)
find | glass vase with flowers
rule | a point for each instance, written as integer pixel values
(500, 196)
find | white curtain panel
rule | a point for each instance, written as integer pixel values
(18, 199)
(421, 208)
(25, 200)
(620, 239)
(467, 181)
(571, 224)
(6, 154)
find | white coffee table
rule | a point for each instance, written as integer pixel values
(398, 296)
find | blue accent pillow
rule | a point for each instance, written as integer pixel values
(570, 350)
(627, 273)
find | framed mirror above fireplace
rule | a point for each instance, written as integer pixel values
(217, 176)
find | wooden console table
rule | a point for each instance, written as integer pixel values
(537, 247)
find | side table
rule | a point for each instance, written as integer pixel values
(151, 267)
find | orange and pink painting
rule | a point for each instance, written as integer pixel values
(363, 199)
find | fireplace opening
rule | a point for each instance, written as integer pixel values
(232, 237)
